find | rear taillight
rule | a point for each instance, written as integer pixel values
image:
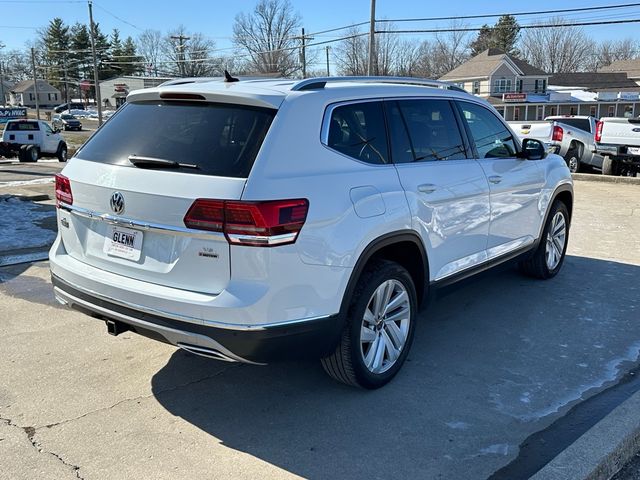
(599, 126)
(63, 190)
(259, 224)
(557, 134)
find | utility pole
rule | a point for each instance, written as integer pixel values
(303, 56)
(35, 81)
(96, 80)
(372, 39)
(327, 51)
(66, 79)
(181, 39)
(2, 98)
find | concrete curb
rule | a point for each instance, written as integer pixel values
(603, 450)
(590, 177)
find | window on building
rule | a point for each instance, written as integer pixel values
(502, 85)
(536, 84)
(612, 111)
(628, 111)
(476, 87)
(573, 111)
(516, 113)
(593, 110)
(553, 111)
(31, 97)
(544, 86)
(540, 112)
(519, 85)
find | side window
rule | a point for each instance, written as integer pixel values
(358, 131)
(47, 129)
(492, 138)
(433, 131)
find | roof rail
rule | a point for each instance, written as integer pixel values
(320, 82)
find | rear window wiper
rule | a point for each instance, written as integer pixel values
(151, 162)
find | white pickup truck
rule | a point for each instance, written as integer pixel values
(618, 140)
(569, 136)
(30, 140)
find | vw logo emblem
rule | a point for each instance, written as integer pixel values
(117, 203)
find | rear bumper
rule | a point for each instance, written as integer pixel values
(309, 338)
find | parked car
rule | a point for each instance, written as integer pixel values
(259, 220)
(68, 106)
(64, 121)
(30, 140)
(570, 136)
(618, 139)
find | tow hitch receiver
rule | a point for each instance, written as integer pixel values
(116, 328)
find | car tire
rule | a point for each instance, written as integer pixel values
(31, 154)
(573, 161)
(548, 257)
(610, 166)
(373, 361)
(62, 153)
(21, 153)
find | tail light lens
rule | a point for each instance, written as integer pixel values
(558, 133)
(63, 190)
(259, 224)
(599, 126)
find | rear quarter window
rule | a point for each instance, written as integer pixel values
(220, 139)
(22, 126)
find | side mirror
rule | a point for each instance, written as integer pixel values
(533, 149)
(57, 130)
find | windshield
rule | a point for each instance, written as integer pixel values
(219, 139)
(68, 117)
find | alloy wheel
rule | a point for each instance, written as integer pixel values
(385, 326)
(556, 238)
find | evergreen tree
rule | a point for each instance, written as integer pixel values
(81, 64)
(502, 36)
(483, 41)
(130, 55)
(116, 54)
(55, 43)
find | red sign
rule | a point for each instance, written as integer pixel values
(120, 87)
(514, 97)
(85, 85)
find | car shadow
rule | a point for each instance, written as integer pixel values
(494, 360)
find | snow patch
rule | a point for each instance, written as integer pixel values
(18, 224)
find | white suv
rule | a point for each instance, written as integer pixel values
(259, 220)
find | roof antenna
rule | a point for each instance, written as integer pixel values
(228, 78)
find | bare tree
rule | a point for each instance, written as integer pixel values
(190, 53)
(610, 51)
(270, 37)
(351, 55)
(557, 48)
(149, 46)
(408, 58)
(449, 49)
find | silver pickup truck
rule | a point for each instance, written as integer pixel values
(571, 137)
(618, 139)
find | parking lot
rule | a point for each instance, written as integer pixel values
(495, 360)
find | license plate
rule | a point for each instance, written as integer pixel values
(124, 243)
(634, 150)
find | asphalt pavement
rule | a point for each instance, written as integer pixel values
(496, 360)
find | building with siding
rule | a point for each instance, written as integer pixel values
(115, 90)
(520, 91)
(24, 94)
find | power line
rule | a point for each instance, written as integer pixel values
(117, 17)
(518, 14)
(523, 27)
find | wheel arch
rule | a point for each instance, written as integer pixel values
(402, 247)
(564, 193)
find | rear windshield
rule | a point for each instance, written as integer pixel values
(221, 139)
(22, 126)
(581, 123)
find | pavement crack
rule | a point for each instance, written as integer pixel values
(140, 397)
(30, 432)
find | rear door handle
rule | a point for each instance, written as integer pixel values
(427, 188)
(495, 179)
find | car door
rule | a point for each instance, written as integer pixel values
(49, 139)
(446, 189)
(515, 183)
